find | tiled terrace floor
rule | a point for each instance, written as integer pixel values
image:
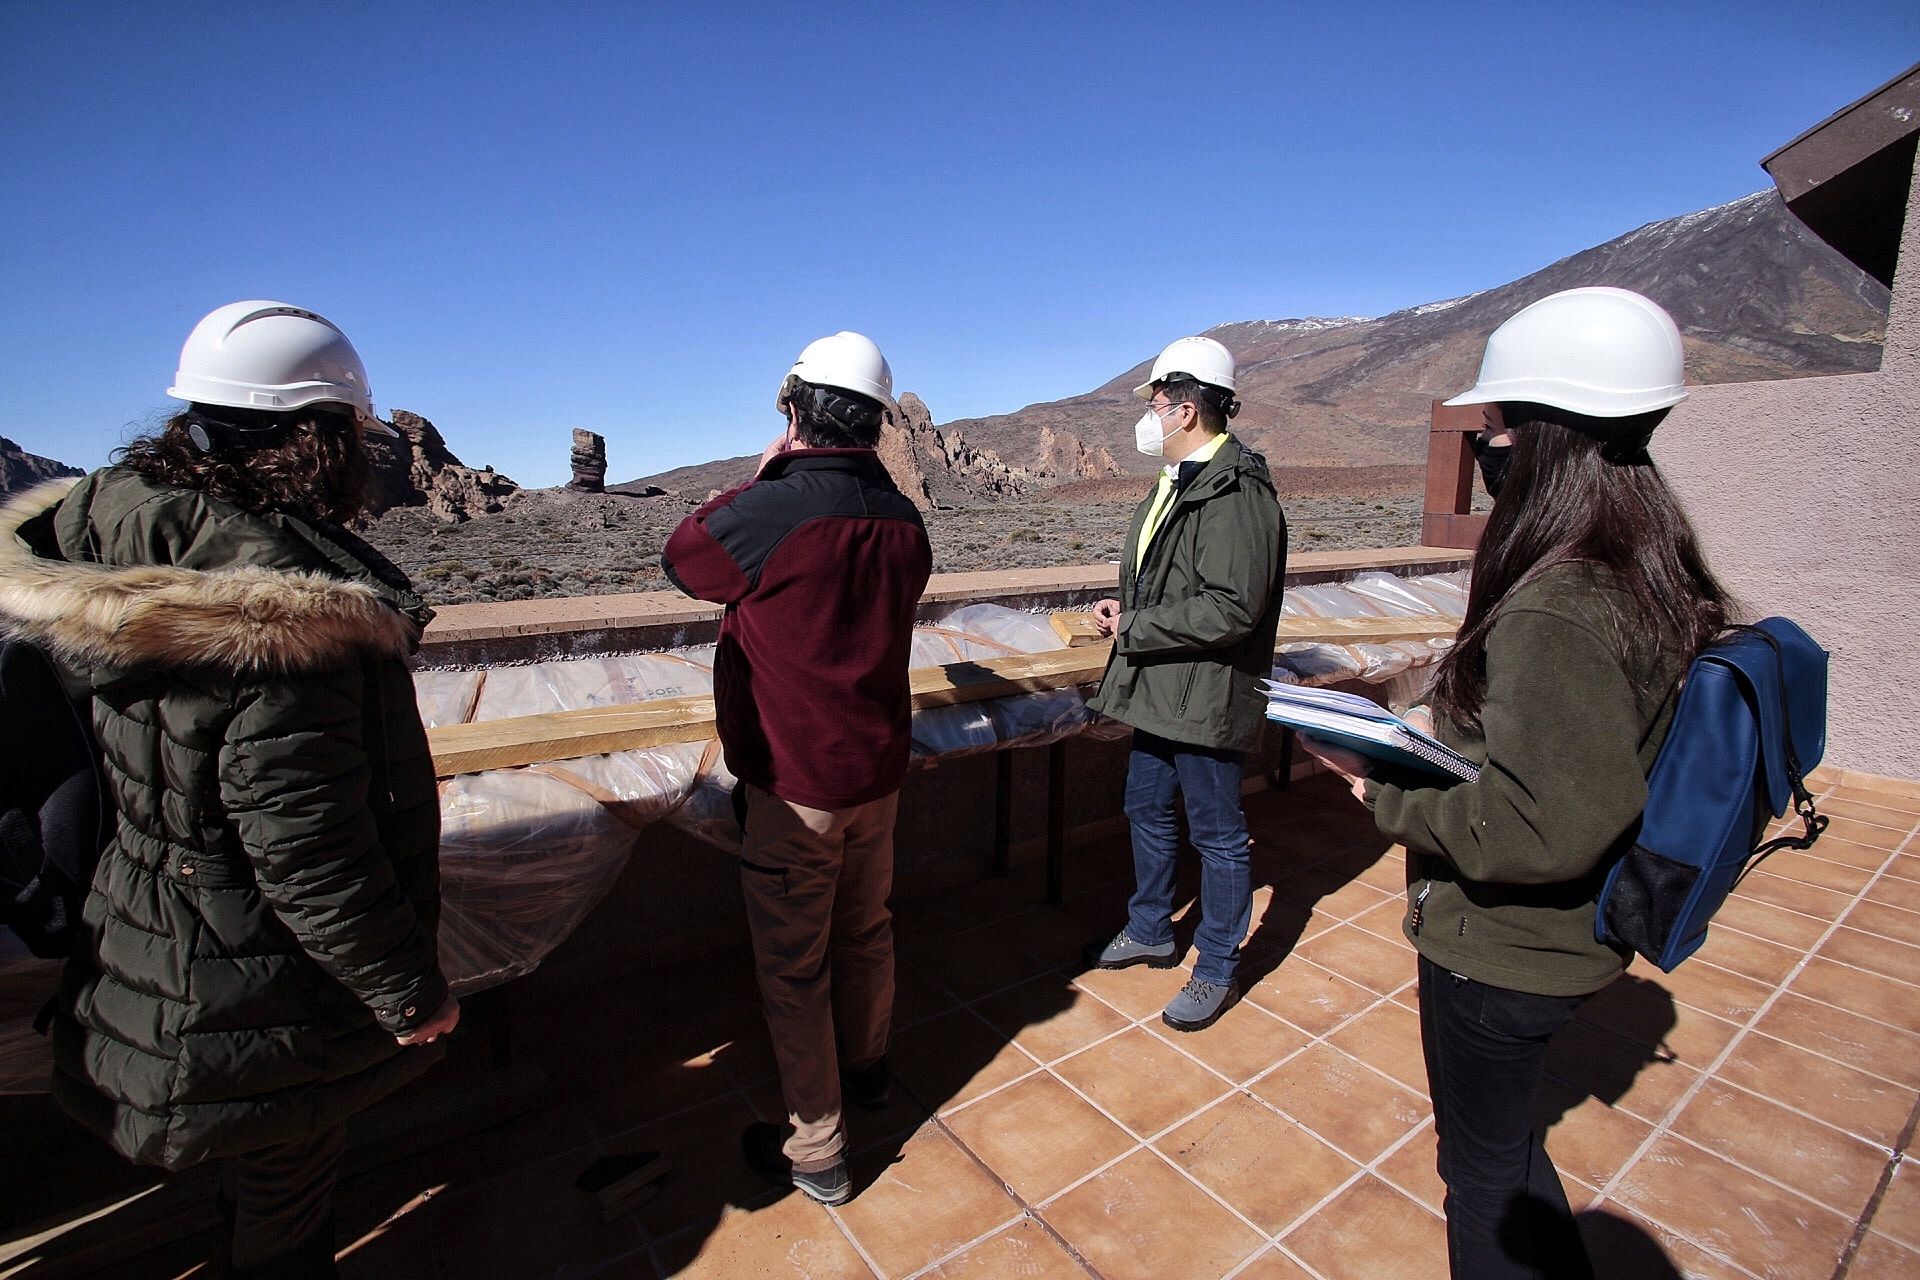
(1736, 1118)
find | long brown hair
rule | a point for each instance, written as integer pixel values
(1582, 490)
(310, 462)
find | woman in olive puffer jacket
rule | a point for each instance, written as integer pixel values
(257, 952)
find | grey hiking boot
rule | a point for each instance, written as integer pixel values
(761, 1145)
(1124, 951)
(1198, 1005)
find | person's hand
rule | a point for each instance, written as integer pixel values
(1350, 765)
(444, 1020)
(1420, 718)
(781, 443)
(1106, 616)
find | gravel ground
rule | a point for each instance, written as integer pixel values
(553, 542)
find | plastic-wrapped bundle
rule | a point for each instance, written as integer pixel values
(1368, 595)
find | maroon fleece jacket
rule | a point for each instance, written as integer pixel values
(820, 561)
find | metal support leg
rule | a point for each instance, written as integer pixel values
(1002, 811)
(1056, 821)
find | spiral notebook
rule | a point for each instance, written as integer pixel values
(1351, 721)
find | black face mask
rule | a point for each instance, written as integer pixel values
(1493, 460)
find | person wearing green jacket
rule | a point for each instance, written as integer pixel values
(1589, 599)
(256, 959)
(1201, 575)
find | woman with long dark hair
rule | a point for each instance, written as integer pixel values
(1589, 598)
(256, 960)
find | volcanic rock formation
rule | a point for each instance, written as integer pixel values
(22, 470)
(589, 460)
(418, 470)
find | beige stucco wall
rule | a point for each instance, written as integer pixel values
(1804, 492)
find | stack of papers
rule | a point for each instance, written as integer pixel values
(1351, 721)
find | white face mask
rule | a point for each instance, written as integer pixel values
(1150, 434)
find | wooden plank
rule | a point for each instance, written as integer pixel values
(561, 735)
(1075, 627)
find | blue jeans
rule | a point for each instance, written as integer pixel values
(1209, 779)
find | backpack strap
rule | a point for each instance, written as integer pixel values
(1796, 778)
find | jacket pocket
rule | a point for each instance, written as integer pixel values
(1186, 689)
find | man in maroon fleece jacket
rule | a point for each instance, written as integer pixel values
(820, 561)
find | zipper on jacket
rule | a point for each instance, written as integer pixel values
(1186, 690)
(1416, 915)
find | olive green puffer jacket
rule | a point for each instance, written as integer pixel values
(263, 922)
(1197, 623)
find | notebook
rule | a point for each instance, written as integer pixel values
(1351, 721)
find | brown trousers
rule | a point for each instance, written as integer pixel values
(816, 884)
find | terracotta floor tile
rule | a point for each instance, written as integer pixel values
(1794, 895)
(916, 997)
(1586, 1138)
(1278, 925)
(1140, 1220)
(1641, 1081)
(1358, 956)
(924, 1204)
(1899, 803)
(1411, 1169)
(1764, 920)
(1372, 1232)
(1746, 955)
(709, 1174)
(1024, 1250)
(791, 1239)
(1273, 1265)
(1899, 1213)
(1848, 853)
(1825, 1165)
(1807, 868)
(972, 964)
(1384, 921)
(1885, 1051)
(1387, 1038)
(1343, 1101)
(1387, 874)
(1625, 1246)
(1049, 1017)
(1243, 1043)
(1052, 935)
(1261, 1163)
(531, 1222)
(1334, 895)
(1844, 1097)
(1138, 992)
(1869, 833)
(1886, 922)
(1881, 1259)
(955, 1058)
(1874, 952)
(1771, 1231)
(1038, 1136)
(1142, 1080)
(1857, 989)
(1892, 891)
(1643, 1011)
(1717, 991)
(1906, 866)
(1309, 997)
(1848, 803)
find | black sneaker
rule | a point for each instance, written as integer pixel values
(761, 1144)
(870, 1087)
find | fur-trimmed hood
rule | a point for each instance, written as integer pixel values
(247, 620)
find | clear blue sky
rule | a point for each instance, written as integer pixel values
(630, 217)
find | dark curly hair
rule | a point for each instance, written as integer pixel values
(310, 462)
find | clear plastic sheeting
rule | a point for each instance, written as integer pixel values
(526, 853)
(1369, 595)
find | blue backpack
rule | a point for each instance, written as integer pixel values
(1752, 721)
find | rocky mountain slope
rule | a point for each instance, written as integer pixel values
(22, 470)
(418, 470)
(1755, 293)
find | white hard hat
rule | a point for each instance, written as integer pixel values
(1602, 352)
(849, 361)
(273, 357)
(1201, 359)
